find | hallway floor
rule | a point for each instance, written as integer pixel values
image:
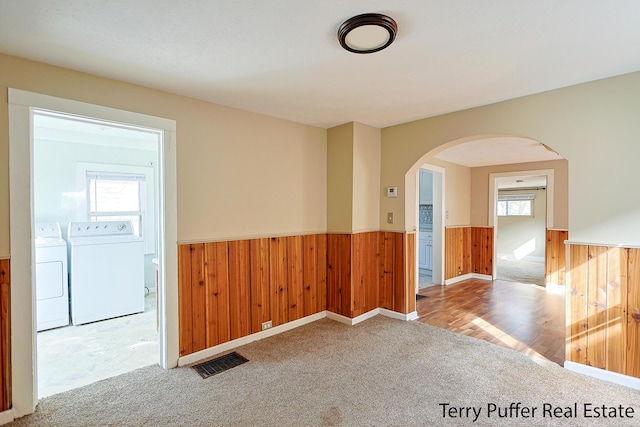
(526, 318)
(74, 356)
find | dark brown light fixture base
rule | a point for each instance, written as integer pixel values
(367, 33)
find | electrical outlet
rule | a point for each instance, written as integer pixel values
(389, 217)
(446, 215)
(266, 325)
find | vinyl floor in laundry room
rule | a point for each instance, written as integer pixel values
(74, 356)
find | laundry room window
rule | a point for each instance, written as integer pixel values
(117, 197)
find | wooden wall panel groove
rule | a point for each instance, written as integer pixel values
(359, 266)
(321, 270)
(334, 261)
(5, 335)
(278, 280)
(310, 274)
(239, 289)
(386, 278)
(295, 287)
(217, 294)
(260, 290)
(371, 275)
(555, 262)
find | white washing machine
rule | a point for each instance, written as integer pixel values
(52, 290)
(106, 270)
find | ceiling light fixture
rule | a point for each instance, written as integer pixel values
(367, 33)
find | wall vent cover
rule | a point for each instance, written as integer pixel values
(219, 364)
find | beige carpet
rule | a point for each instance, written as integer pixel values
(521, 271)
(381, 372)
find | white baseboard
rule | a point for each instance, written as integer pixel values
(349, 321)
(467, 277)
(7, 416)
(212, 351)
(457, 279)
(400, 316)
(613, 377)
(230, 345)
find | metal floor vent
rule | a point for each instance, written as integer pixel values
(419, 297)
(219, 364)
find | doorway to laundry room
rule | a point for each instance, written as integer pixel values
(95, 200)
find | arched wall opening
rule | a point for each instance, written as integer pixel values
(469, 196)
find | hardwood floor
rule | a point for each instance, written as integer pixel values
(526, 318)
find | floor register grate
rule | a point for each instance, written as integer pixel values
(219, 364)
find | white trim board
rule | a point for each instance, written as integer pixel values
(23, 335)
(230, 345)
(467, 277)
(601, 374)
(212, 351)
(7, 416)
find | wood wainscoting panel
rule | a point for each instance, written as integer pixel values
(366, 263)
(278, 280)
(260, 288)
(339, 261)
(310, 274)
(410, 272)
(633, 313)
(228, 290)
(5, 335)
(555, 260)
(321, 271)
(482, 250)
(457, 244)
(239, 288)
(603, 308)
(386, 279)
(596, 306)
(295, 287)
(192, 298)
(217, 295)
(616, 285)
(576, 305)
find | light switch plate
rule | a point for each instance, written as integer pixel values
(389, 217)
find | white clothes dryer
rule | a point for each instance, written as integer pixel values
(52, 290)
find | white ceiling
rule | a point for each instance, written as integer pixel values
(497, 151)
(282, 57)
